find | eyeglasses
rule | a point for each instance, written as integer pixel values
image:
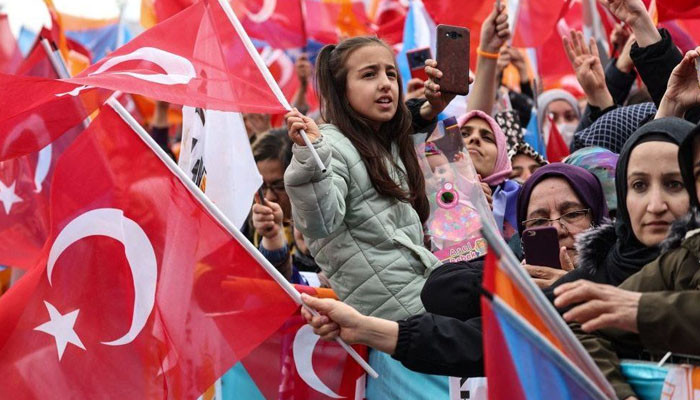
(277, 187)
(570, 218)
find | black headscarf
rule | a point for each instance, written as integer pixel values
(629, 255)
(685, 161)
(585, 185)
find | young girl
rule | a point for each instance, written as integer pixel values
(362, 217)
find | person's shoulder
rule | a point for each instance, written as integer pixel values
(335, 137)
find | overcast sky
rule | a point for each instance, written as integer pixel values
(33, 14)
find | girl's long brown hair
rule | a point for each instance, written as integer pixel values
(374, 147)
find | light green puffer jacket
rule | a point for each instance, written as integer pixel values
(369, 245)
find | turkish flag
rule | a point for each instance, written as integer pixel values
(10, 55)
(130, 299)
(278, 22)
(36, 111)
(557, 149)
(330, 21)
(194, 58)
(473, 16)
(536, 20)
(390, 21)
(295, 364)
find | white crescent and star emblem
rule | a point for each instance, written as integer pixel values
(140, 255)
(265, 12)
(8, 197)
(178, 69)
(303, 348)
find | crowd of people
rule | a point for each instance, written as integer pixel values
(624, 203)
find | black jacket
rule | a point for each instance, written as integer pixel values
(655, 63)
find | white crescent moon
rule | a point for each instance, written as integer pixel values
(178, 69)
(33, 123)
(265, 12)
(43, 165)
(140, 255)
(286, 66)
(303, 349)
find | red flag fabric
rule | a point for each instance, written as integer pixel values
(37, 64)
(443, 12)
(557, 149)
(10, 55)
(330, 21)
(129, 299)
(390, 20)
(536, 20)
(294, 364)
(677, 9)
(194, 58)
(278, 22)
(36, 111)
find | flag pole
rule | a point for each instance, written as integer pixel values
(513, 269)
(58, 63)
(266, 73)
(224, 221)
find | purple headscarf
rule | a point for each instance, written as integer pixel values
(584, 184)
(502, 168)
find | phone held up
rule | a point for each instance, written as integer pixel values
(541, 246)
(416, 62)
(453, 58)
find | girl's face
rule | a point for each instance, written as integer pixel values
(480, 140)
(655, 193)
(372, 83)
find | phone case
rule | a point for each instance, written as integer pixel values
(453, 58)
(541, 246)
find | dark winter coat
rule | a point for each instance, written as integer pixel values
(668, 317)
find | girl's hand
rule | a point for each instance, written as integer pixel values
(415, 88)
(494, 30)
(296, 122)
(267, 219)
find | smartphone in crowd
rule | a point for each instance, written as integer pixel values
(453, 58)
(450, 142)
(416, 62)
(541, 246)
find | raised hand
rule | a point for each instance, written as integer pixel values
(683, 90)
(437, 100)
(267, 219)
(629, 11)
(303, 69)
(494, 30)
(589, 70)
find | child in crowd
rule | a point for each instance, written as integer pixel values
(362, 217)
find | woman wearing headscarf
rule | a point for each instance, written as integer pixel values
(655, 310)
(650, 197)
(563, 109)
(568, 198)
(449, 342)
(486, 144)
(601, 163)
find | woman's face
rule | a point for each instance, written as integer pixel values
(562, 112)
(552, 198)
(372, 83)
(523, 167)
(655, 193)
(480, 141)
(272, 172)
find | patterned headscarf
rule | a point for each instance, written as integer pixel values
(527, 150)
(612, 130)
(502, 168)
(510, 125)
(601, 162)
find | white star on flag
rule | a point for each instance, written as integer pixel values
(8, 196)
(61, 328)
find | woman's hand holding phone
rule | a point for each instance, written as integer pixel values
(545, 276)
(437, 100)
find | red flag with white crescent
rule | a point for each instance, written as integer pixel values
(130, 299)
